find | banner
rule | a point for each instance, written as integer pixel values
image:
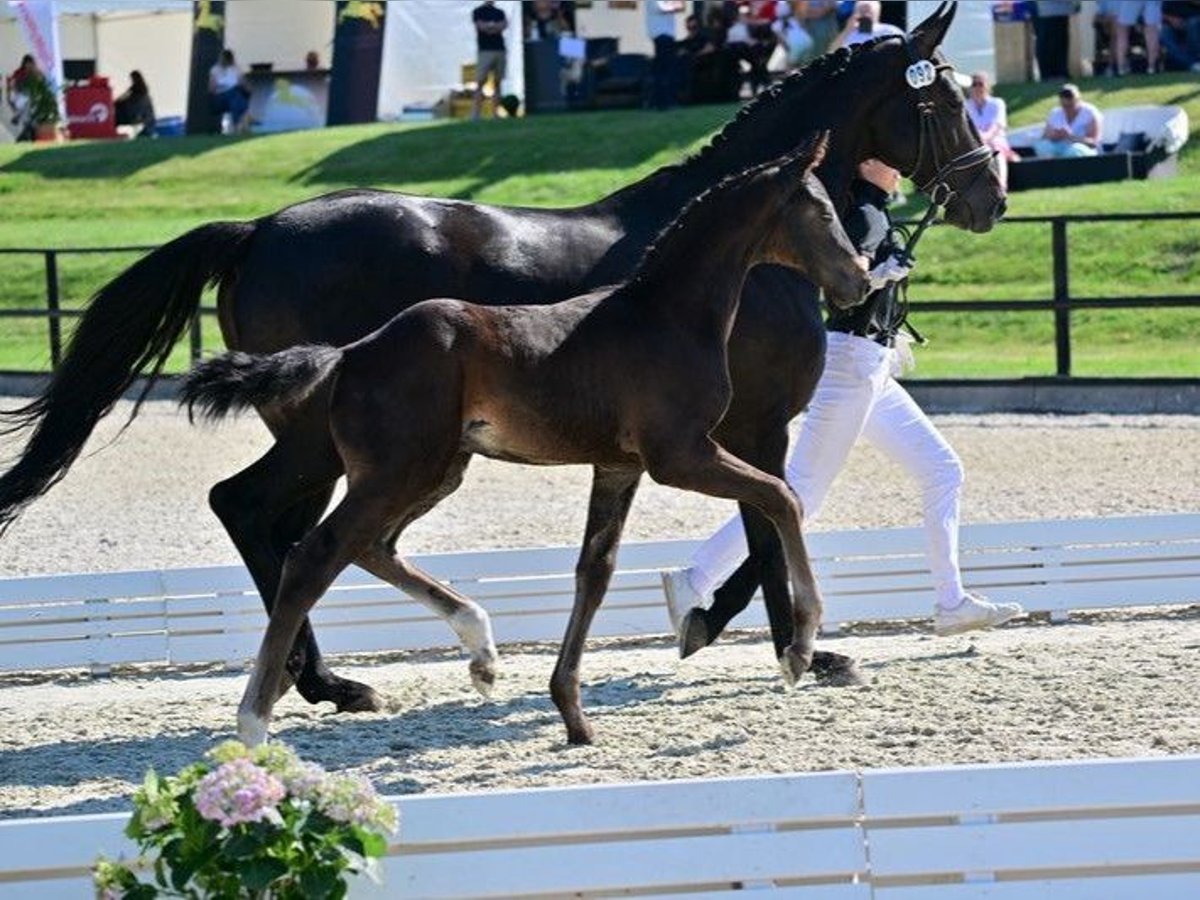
(208, 40)
(39, 24)
(357, 52)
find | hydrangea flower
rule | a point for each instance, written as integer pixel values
(353, 801)
(239, 791)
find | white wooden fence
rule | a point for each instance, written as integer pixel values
(1102, 830)
(213, 614)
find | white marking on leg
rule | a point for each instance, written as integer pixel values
(474, 628)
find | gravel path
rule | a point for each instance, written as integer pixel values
(1105, 685)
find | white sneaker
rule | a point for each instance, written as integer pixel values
(974, 612)
(681, 596)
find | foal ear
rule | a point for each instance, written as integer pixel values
(816, 150)
(928, 36)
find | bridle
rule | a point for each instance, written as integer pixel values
(920, 75)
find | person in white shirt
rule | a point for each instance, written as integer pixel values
(1072, 128)
(864, 25)
(990, 116)
(228, 92)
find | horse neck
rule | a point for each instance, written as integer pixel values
(821, 96)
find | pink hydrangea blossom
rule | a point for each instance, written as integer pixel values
(239, 791)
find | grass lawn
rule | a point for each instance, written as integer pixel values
(145, 192)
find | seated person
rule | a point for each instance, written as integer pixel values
(990, 116)
(1181, 35)
(134, 107)
(228, 92)
(1072, 128)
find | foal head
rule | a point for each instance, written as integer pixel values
(804, 232)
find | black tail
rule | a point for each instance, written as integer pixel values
(235, 381)
(129, 328)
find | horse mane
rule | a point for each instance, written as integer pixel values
(811, 76)
(659, 254)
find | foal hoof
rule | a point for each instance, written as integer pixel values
(483, 677)
(836, 670)
(693, 633)
(793, 664)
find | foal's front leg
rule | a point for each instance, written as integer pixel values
(612, 493)
(703, 465)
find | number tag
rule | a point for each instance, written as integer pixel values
(920, 74)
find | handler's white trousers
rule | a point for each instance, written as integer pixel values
(858, 395)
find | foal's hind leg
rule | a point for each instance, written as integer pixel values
(468, 619)
(265, 509)
(612, 493)
(702, 465)
(309, 570)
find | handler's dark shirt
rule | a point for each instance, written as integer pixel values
(869, 228)
(485, 41)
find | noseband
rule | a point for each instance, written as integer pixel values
(921, 75)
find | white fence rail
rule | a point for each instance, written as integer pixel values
(1114, 829)
(213, 614)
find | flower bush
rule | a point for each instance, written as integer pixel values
(249, 823)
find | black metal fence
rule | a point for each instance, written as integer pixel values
(1062, 304)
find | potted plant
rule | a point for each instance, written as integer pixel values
(43, 109)
(250, 823)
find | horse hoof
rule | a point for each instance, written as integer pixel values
(354, 697)
(793, 665)
(580, 735)
(693, 633)
(836, 670)
(483, 677)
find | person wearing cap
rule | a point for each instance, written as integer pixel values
(1072, 128)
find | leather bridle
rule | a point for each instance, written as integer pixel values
(921, 75)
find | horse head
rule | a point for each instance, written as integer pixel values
(804, 231)
(927, 135)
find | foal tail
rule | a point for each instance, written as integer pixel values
(129, 328)
(236, 381)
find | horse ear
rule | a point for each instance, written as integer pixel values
(817, 149)
(928, 36)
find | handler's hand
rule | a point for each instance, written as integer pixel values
(890, 270)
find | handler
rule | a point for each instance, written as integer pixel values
(858, 395)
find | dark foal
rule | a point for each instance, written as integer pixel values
(626, 379)
(335, 268)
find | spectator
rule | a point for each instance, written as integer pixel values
(546, 21)
(661, 16)
(1181, 35)
(744, 40)
(990, 117)
(134, 106)
(19, 104)
(819, 18)
(1128, 13)
(1051, 30)
(229, 94)
(312, 60)
(1104, 33)
(796, 41)
(491, 56)
(858, 395)
(1072, 128)
(864, 25)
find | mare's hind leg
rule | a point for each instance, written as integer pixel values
(268, 507)
(468, 619)
(702, 465)
(608, 507)
(309, 570)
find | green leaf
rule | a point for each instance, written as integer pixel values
(257, 874)
(322, 883)
(373, 843)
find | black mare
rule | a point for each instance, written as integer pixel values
(337, 267)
